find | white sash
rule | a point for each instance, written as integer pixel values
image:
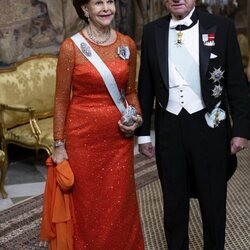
(102, 68)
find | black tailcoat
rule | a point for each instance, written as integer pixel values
(224, 56)
(153, 76)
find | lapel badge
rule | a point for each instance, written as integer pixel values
(85, 49)
(216, 75)
(208, 39)
(217, 90)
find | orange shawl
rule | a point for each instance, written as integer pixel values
(58, 217)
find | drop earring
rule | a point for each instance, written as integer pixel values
(86, 14)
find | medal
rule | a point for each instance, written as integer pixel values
(217, 75)
(208, 39)
(179, 40)
(217, 90)
(123, 52)
(216, 119)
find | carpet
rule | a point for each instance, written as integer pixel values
(19, 225)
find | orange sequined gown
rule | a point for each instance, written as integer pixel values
(104, 194)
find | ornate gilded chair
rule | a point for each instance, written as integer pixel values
(27, 104)
(3, 173)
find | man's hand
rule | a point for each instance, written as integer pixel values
(147, 149)
(248, 71)
(237, 144)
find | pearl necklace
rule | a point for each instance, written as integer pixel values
(98, 41)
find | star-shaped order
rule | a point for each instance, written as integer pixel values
(216, 75)
(217, 90)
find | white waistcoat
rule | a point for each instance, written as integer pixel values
(184, 75)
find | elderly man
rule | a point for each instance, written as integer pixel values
(191, 66)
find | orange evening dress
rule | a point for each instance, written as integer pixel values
(101, 157)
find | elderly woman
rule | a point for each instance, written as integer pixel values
(90, 132)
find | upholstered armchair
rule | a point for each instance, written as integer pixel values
(26, 104)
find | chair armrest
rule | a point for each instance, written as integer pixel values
(20, 108)
(32, 120)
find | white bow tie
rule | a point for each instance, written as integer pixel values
(174, 23)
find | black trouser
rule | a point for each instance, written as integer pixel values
(189, 153)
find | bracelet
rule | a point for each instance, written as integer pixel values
(58, 143)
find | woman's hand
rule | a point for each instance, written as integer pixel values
(59, 154)
(129, 130)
